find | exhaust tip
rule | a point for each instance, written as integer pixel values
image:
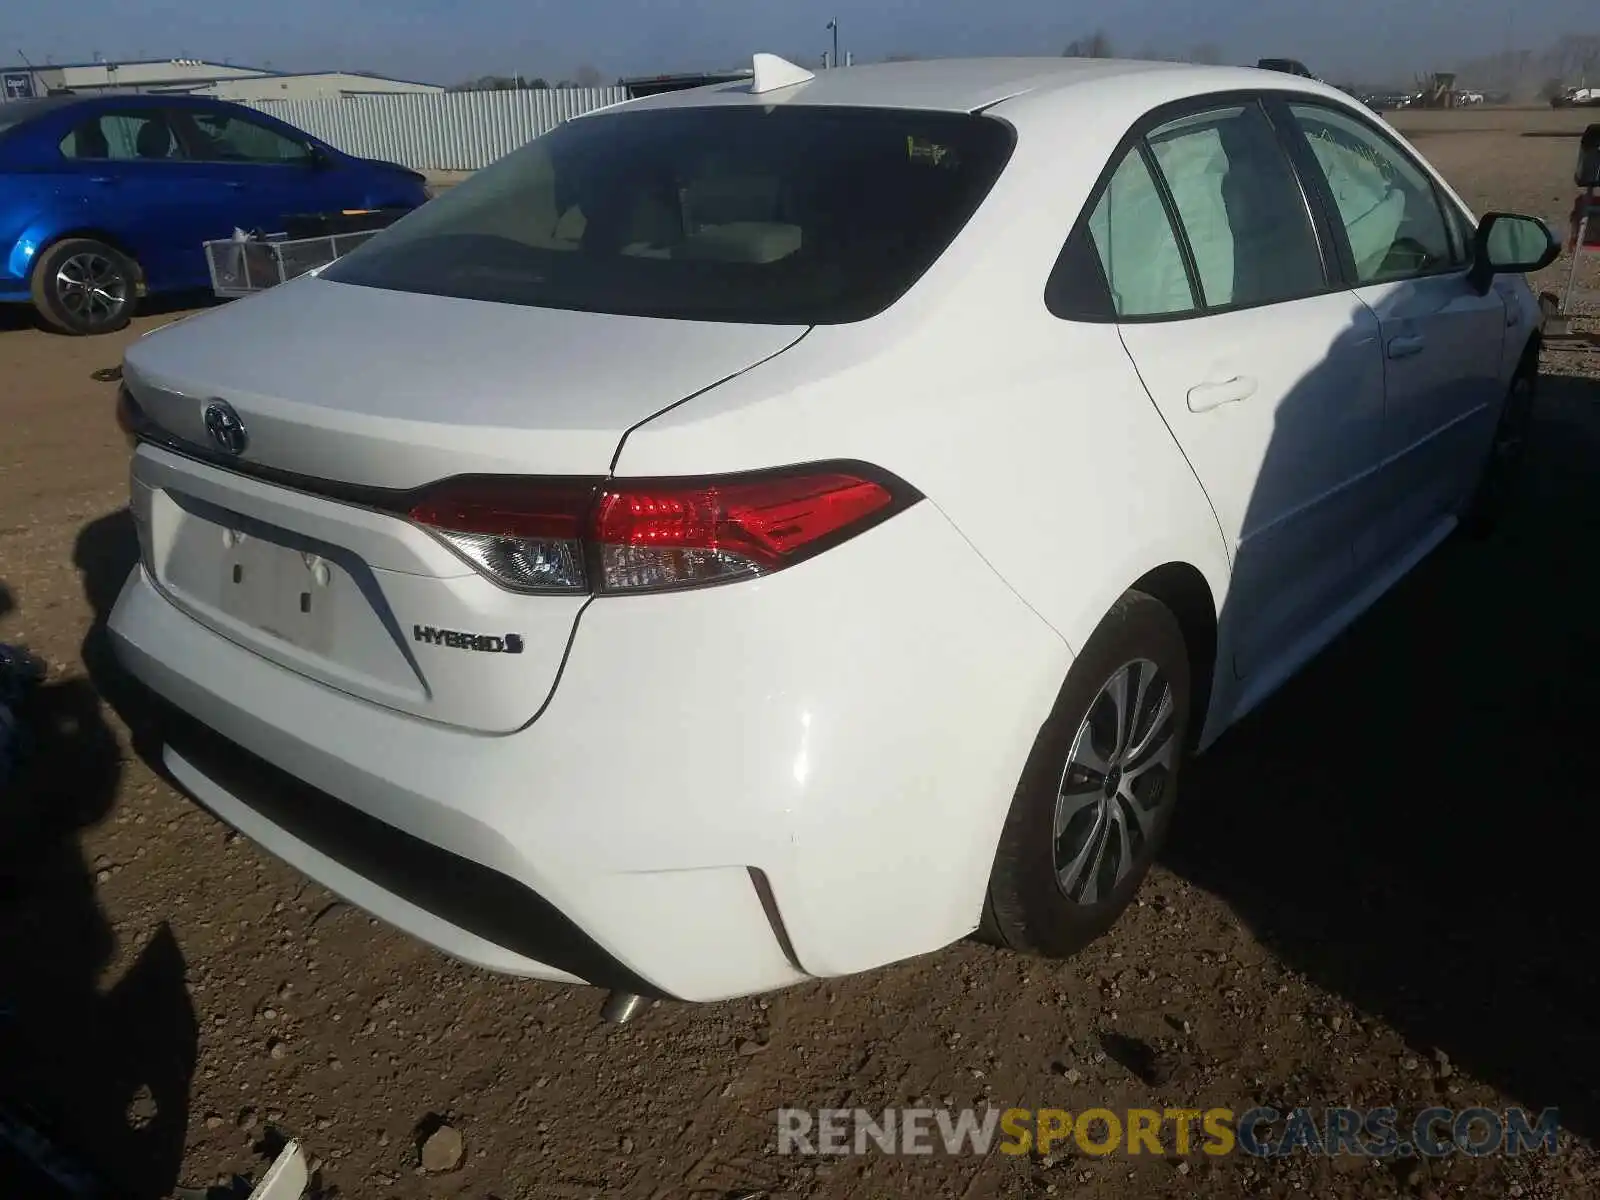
(622, 1007)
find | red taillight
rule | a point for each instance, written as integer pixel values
(647, 535)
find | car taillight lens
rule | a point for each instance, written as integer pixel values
(618, 535)
(525, 534)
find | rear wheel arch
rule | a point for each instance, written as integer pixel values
(1184, 590)
(1030, 904)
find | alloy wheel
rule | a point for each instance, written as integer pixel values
(1115, 783)
(91, 287)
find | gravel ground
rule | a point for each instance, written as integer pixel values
(1377, 896)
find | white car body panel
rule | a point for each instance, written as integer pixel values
(736, 788)
(1285, 450)
(1444, 379)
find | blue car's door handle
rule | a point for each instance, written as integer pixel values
(235, 184)
(102, 179)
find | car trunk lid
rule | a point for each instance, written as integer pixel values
(396, 390)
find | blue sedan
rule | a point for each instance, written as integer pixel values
(104, 199)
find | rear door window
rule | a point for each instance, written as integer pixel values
(1203, 213)
(1241, 207)
(131, 135)
(790, 214)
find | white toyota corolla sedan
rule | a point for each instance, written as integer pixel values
(768, 531)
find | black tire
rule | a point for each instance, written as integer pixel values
(1027, 909)
(1503, 468)
(83, 286)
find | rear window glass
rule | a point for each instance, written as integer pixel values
(788, 215)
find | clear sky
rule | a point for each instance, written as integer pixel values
(449, 40)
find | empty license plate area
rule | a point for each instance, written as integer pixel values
(291, 594)
(361, 601)
(311, 606)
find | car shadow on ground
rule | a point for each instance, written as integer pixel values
(105, 554)
(103, 1073)
(1411, 822)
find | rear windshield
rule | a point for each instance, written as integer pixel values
(786, 215)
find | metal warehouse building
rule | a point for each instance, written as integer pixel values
(196, 77)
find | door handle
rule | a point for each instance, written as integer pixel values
(236, 184)
(1205, 396)
(102, 179)
(1405, 347)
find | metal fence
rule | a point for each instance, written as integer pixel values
(439, 131)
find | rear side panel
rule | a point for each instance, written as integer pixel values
(359, 600)
(25, 201)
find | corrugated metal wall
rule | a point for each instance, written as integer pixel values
(439, 131)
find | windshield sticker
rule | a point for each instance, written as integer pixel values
(922, 150)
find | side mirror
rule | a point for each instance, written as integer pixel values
(1511, 244)
(317, 158)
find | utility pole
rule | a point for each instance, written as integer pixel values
(833, 27)
(33, 77)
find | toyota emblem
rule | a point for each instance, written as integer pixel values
(225, 427)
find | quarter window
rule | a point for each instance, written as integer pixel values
(1241, 207)
(1386, 203)
(1136, 245)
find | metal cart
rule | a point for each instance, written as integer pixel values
(244, 266)
(248, 263)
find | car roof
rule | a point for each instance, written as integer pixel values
(18, 111)
(38, 106)
(971, 84)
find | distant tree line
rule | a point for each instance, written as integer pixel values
(583, 77)
(1571, 61)
(1098, 45)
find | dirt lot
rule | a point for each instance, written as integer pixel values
(1378, 895)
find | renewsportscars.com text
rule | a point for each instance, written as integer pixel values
(1258, 1132)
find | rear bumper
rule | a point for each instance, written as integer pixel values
(730, 791)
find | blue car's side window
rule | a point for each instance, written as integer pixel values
(228, 137)
(124, 137)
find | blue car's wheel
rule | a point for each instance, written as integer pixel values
(84, 286)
